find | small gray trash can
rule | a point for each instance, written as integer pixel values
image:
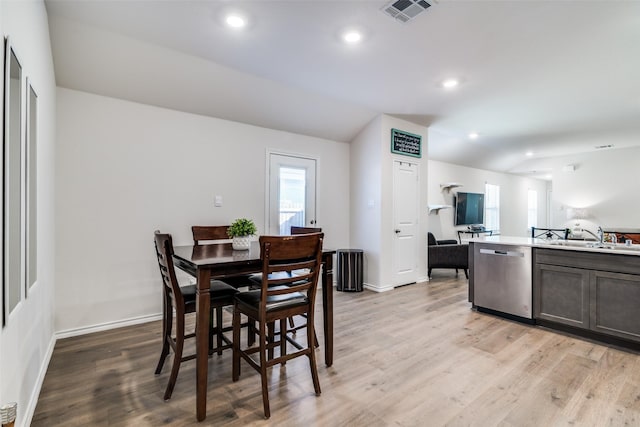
(349, 269)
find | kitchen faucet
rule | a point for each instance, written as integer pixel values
(599, 236)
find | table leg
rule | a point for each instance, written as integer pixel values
(203, 310)
(327, 306)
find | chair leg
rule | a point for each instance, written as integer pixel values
(263, 369)
(283, 338)
(312, 358)
(167, 324)
(456, 272)
(251, 332)
(235, 371)
(271, 338)
(219, 329)
(292, 324)
(211, 329)
(429, 272)
(177, 357)
(466, 273)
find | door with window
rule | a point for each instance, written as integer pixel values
(292, 193)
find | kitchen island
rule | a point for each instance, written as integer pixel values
(568, 285)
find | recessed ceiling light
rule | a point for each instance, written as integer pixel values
(473, 135)
(529, 153)
(450, 83)
(352, 36)
(235, 21)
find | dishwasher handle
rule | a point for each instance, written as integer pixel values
(502, 253)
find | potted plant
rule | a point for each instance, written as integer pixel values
(241, 231)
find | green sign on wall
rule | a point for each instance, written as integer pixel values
(406, 143)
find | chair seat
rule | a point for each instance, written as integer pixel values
(256, 279)
(448, 242)
(274, 302)
(219, 288)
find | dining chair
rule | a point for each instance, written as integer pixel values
(257, 278)
(182, 299)
(295, 231)
(280, 297)
(304, 230)
(203, 234)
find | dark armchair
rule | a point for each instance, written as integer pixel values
(447, 254)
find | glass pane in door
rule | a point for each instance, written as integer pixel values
(292, 195)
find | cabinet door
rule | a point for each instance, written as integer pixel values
(615, 301)
(561, 295)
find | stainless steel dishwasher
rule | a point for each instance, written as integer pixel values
(502, 279)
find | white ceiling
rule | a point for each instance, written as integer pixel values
(552, 77)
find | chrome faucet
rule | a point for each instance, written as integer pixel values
(599, 236)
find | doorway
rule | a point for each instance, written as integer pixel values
(292, 193)
(405, 221)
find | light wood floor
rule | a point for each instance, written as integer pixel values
(415, 356)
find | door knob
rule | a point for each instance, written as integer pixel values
(397, 231)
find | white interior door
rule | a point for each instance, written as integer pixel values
(292, 193)
(405, 221)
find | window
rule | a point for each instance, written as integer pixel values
(532, 209)
(292, 198)
(292, 193)
(492, 207)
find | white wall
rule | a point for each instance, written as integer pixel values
(126, 169)
(366, 198)
(604, 182)
(26, 342)
(513, 198)
(372, 226)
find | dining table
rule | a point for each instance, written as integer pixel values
(219, 260)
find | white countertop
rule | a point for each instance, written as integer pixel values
(569, 245)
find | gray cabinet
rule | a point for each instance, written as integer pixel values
(615, 302)
(562, 295)
(583, 290)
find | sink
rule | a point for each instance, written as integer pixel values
(574, 243)
(592, 245)
(623, 247)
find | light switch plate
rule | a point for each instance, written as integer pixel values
(218, 201)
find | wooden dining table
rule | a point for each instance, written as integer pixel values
(217, 261)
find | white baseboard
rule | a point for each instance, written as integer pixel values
(377, 288)
(33, 399)
(107, 326)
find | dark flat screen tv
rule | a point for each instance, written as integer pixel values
(469, 208)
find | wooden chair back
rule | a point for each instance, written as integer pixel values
(282, 254)
(304, 230)
(164, 251)
(202, 233)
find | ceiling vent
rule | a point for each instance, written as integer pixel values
(405, 10)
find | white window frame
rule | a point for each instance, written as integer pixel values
(532, 209)
(492, 207)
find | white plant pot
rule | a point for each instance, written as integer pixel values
(241, 243)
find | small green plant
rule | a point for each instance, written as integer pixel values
(242, 227)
